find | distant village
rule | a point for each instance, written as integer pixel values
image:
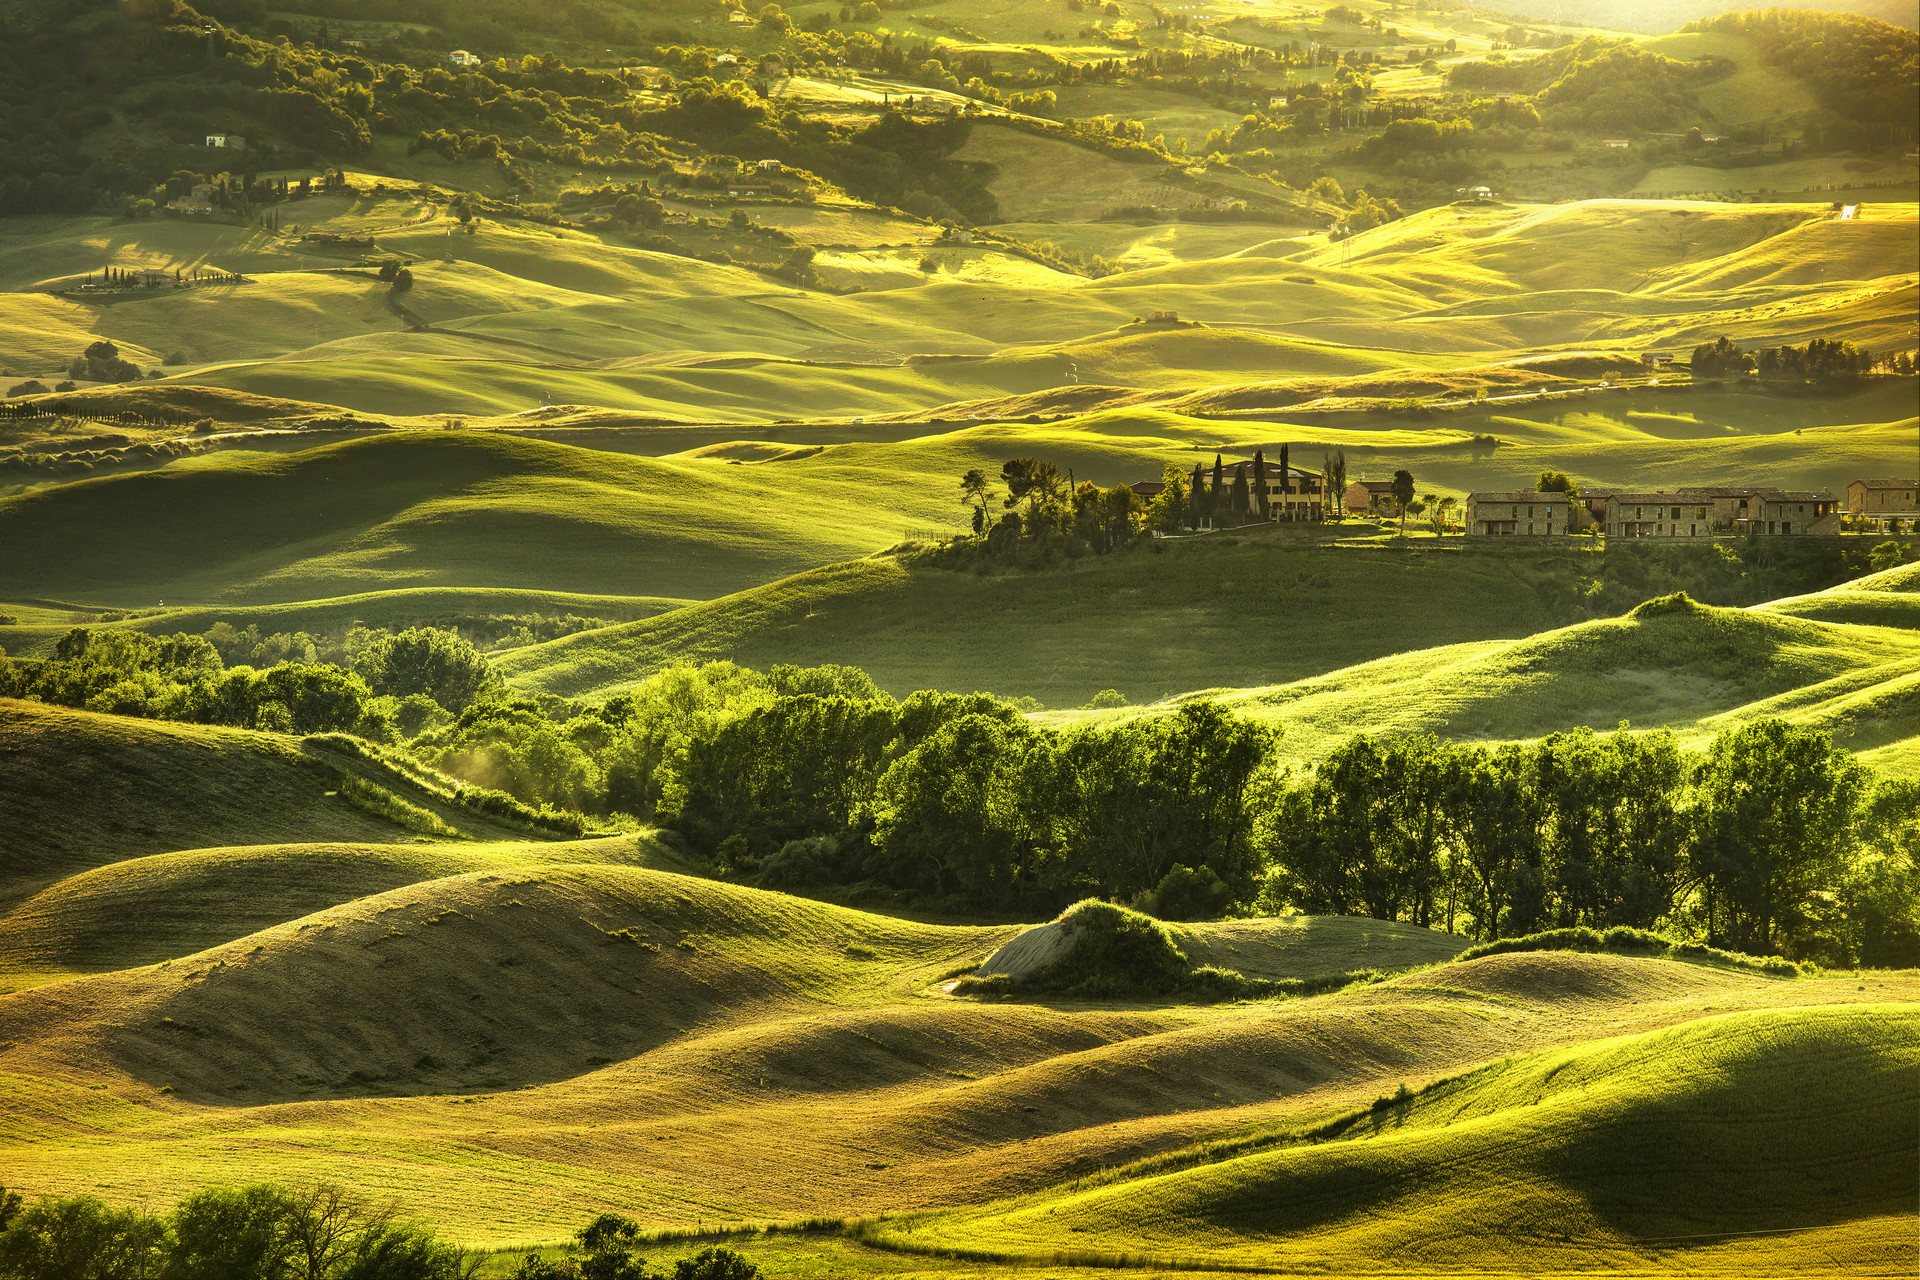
(1287, 494)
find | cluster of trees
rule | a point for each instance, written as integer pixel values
(102, 362)
(323, 1231)
(1773, 841)
(1044, 511)
(1821, 359)
(398, 685)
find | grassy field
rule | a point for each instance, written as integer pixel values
(511, 1037)
(217, 965)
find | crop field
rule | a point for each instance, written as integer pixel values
(592, 652)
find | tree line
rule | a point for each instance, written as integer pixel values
(812, 778)
(319, 1231)
(1820, 360)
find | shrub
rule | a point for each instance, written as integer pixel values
(373, 798)
(800, 864)
(1186, 894)
(1116, 952)
(1634, 942)
(1107, 699)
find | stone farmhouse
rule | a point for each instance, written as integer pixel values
(1521, 513)
(1881, 502)
(1372, 496)
(1695, 512)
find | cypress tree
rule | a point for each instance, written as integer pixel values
(1219, 490)
(1195, 492)
(1260, 483)
(1286, 481)
(1240, 502)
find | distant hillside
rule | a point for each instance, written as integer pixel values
(1658, 16)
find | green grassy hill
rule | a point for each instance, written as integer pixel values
(141, 911)
(1697, 671)
(429, 510)
(1149, 622)
(86, 790)
(1774, 1140)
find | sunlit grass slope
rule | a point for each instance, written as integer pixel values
(731, 1056)
(1771, 1142)
(84, 790)
(1151, 623)
(437, 509)
(143, 910)
(1695, 670)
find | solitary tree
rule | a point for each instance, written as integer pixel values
(976, 491)
(1334, 468)
(1556, 482)
(1402, 495)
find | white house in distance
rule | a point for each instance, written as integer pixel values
(229, 141)
(461, 58)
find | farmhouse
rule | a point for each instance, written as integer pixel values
(1618, 144)
(1749, 509)
(1797, 511)
(1881, 502)
(1373, 496)
(1657, 515)
(1297, 496)
(1521, 513)
(461, 58)
(1148, 490)
(229, 141)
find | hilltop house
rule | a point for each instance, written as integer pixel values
(461, 58)
(1881, 502)
(1521, 513)
(1372, 496)
(229, 141)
